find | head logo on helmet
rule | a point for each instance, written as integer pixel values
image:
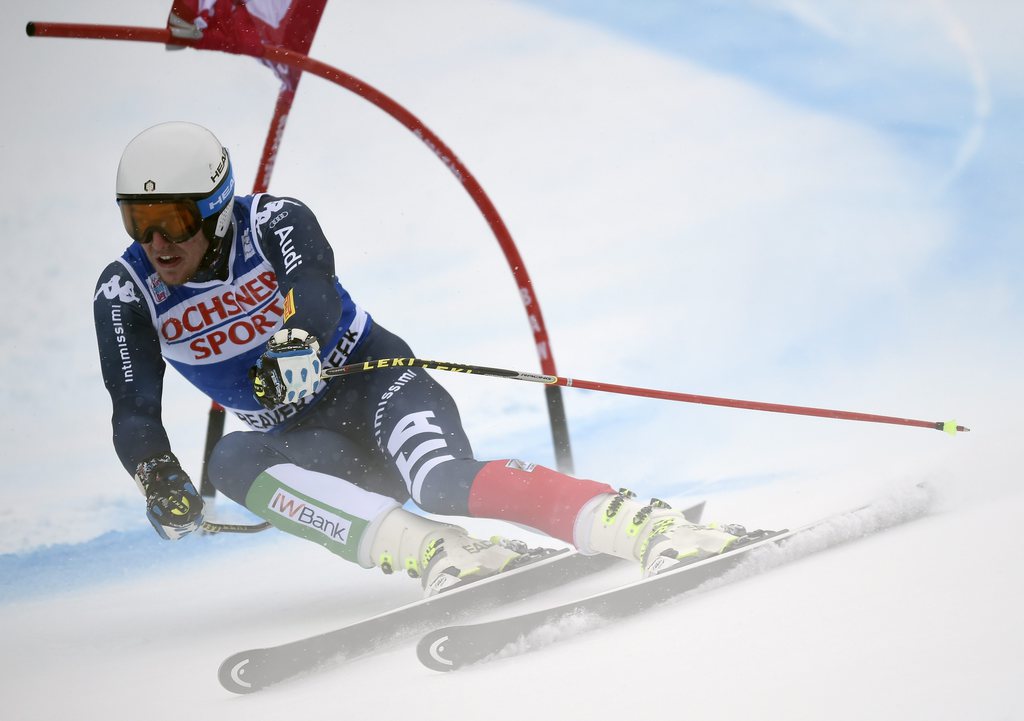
(220, 167)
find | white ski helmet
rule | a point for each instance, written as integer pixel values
(176, 177)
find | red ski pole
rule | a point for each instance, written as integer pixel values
(949, 427)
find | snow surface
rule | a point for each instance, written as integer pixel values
(807, 203)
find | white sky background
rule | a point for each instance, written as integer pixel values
(687, 228)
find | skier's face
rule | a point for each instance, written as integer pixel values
(176, 263)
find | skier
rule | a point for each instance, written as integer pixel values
(239, 295)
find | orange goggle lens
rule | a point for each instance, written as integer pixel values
(176, 220)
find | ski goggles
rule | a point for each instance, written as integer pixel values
(177, 219)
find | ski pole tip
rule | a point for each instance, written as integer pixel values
(951, 428)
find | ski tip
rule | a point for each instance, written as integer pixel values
(433, 651)
(232, 674)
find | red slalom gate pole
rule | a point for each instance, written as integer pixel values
(103, 32)
(949, 427)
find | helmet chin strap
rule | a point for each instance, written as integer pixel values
(225, 221)
(214, 262)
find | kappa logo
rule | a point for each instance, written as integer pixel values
(114, 289)
(291, 257)
(269, 210)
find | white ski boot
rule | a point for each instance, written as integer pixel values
(653, 534)
(443, 556)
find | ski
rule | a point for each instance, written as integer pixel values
(249, 671)
(451, 648)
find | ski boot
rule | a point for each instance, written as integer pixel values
(653, 534)
(444, 556)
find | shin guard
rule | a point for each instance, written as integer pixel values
(320, 508)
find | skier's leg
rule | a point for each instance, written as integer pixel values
(297, 481)
(274, 476)
(593, 517)
(416, 426)
(425, 440)
(411, 423)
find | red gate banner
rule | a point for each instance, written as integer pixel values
(241, 27)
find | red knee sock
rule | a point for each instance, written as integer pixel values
(532, 495)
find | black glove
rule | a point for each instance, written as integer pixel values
(289, 370)
(173, 505)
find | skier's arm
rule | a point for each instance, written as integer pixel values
(132, 367)
(133, 371)
(303, 262)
